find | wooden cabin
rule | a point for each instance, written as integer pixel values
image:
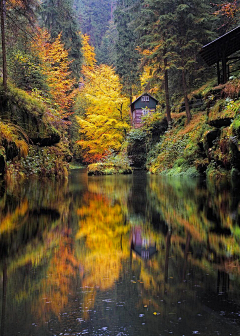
(140, 107)
(219, 51)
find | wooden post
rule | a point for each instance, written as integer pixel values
(218, 73)
(224, 67)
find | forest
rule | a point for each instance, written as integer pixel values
(71, 68)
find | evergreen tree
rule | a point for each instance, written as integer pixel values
(58, 17)
(106, 52)
(127, 56)
(173, 32)
(94, 17)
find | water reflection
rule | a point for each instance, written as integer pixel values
(119, 255)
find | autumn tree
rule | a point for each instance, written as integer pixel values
(55, 66)
(103, 111)
(105, 122)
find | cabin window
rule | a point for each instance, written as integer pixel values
(145, 98)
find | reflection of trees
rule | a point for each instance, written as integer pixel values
(32, 217)
(55, 287)
(102, 227)
(204, 214)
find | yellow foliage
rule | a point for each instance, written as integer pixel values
(88, 52)
(102, 228)
(55, 66)
(13, 133)
(106, 120)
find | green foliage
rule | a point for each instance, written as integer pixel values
(25, 70)
(42, 162)
(113, 164)
(128, 58)
(94, 17)
(58, 17)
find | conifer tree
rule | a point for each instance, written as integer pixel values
(58, 17)
(127, 56)
(174, 31)
(94, 17)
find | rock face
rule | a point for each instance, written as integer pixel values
(211, 136)
(28, 114)
(218, 123)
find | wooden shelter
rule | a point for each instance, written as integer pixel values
(141, 106)
(218, 52)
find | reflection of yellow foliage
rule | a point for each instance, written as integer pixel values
(11, 219)
(102, 226)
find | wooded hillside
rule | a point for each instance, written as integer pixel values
(70, 69)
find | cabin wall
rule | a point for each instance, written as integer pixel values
(137, 117)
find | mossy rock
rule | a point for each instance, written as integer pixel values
(27, 112)
(209, 138)
(236, 127)
(220, 115)
(108, 169)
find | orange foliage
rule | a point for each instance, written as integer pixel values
(55, 65)
(57, 284)
(228, 9)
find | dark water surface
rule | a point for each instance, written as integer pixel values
(119, 255)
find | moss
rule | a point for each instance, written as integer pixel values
(115, 164)
(222, 113)
(107, 169)
(18, 107)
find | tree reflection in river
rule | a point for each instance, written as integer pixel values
(107, 252)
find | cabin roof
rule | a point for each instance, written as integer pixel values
(225, 45)
(144, 94)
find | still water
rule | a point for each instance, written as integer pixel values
(119, 255)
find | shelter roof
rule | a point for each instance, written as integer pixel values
(223, 46)
(144, 94)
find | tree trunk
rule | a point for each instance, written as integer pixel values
(4, 58)
(168, 109)
(188, 112)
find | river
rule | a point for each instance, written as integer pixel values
(135, 255)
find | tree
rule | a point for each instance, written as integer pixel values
(11, 13)
(155, 43)
(173, 32)
(127, 59)
(55, 66)
(58, 17)
(104, 125)
(94, 17)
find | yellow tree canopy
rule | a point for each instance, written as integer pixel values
(106, 117)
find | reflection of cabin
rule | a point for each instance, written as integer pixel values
(218, 52)
(141, 106)
(142, 246)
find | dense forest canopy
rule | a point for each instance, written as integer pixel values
(71, 68)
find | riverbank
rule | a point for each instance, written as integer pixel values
(32, 141)
(208, 145)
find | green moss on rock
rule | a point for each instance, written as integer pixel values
(18, 107)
